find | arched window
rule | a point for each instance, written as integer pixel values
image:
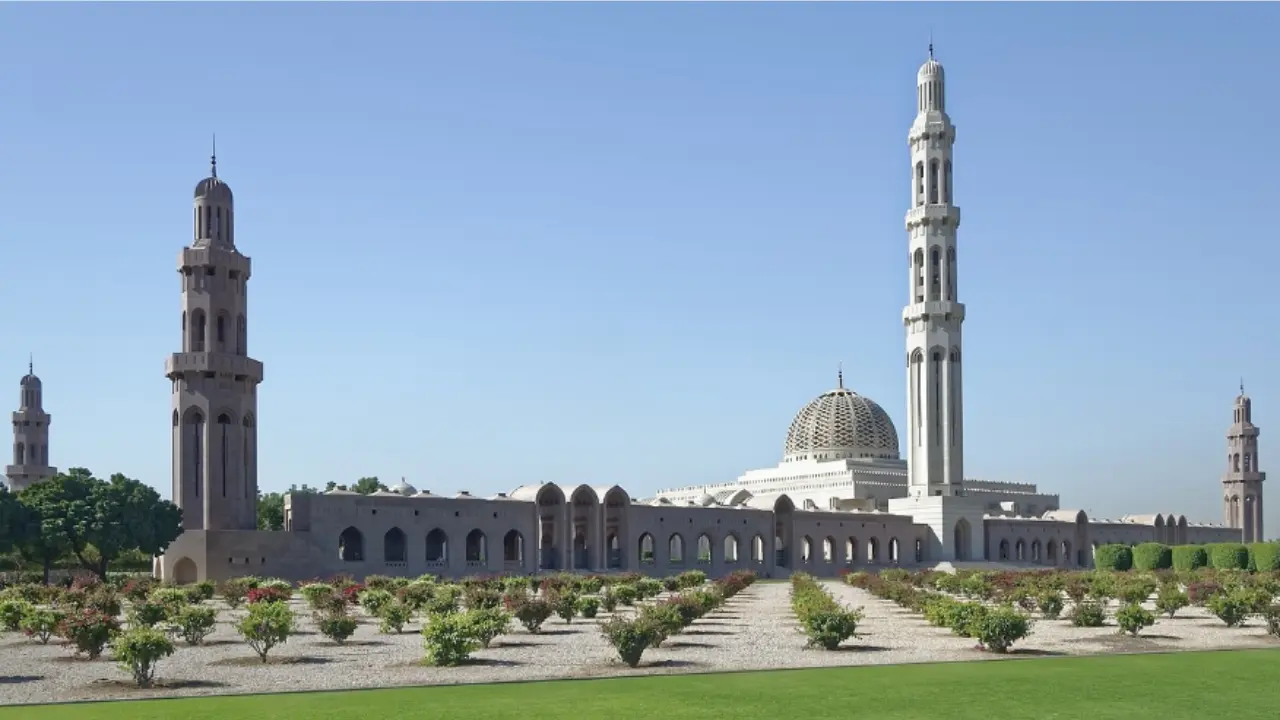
(351, 545)
(646, 549)
(919, 183)
(757, 549)
(437, 546)
(394, 546)
(225, 455)
(477, 548)
(675, 549)
(704, 549)
(242, 335)
(221, 330)
(933, 181)
(951, 274)
(513, 548)
(730, 549)
(935, 274)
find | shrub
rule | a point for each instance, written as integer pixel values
(588, 607)
(626, 594)
(1231, 608)
(997, 630)
(1264, 557)
(89, 631)
(565, 604)
(482, 596)
(608, 601)
(138, 589)
(1171, 599)
(630, 638)
(268, 624)
(1189, 557)
(394, 616)
(1229, 556)
(692, 579)
(1132, 618)
(1201, 592)
(531, 612)
(487, 623)
(235, 591)
(337, 627)
(1152, 556)
(138, 650)
(443, 600)
(201, 591)
(41, 624)
(317, 594)
(1050, 604)
(664, 620)
(11, 612)
(416, 594)
(373, 600)
(1135, 591)
(1113, 557)
(1272, 617)
(194, 623)
(448, 639)
(825, 622)
(1088, 614)
(268, 595)
(148, 613)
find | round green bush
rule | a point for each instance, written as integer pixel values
(1229, 556)
(999, 629)
(1132, 618)
(1152, 556)
(1113, 557)
(1189, 557)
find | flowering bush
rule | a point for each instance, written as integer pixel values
(826, 622)
(663, 620)
(148, 613)
(416, 594)
(626, 595)
(138, 589)
(1231, 608)
(1088, 614)
(268, 595)
(608, 600)
(11, 612)
(443, 600)
(1050, 604)
(1171, 599)
(235, 591)
(138, 650)
(998, 629)
(172, 598)
(479, 596)
(1199, 593)
(269, 623)
(565, 604)
(629, 637)
(89, 631)
(485, 624)
(373, 600)
(531, 612)
(588, 607)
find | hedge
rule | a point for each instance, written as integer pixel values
(1229, 556)
(1152, 556)
(1113, 557)
(1264, 556)
(1189, 557)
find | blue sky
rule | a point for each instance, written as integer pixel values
(500, 244)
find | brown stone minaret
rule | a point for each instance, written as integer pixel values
(1242, 483)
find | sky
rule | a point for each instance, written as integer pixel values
(499, 244)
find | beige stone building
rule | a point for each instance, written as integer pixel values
(845, 494)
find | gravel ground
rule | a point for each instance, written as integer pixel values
(755, 630)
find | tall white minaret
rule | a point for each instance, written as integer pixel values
(30, 436)
(214, 382)
(933, 315)
(1242, 483)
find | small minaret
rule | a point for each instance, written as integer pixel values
(214, 381)
(1242, 483)
(30, 436)
(933, 315)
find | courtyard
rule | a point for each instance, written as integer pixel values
(756, 629)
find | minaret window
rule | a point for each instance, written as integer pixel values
(1235, 463)
(951, 274)
(946, 182)
(937, 397)
(933, 181)
(17, 453)
(919, 183)
(197, 331)
(1247, 463)
(221, 330)
(935, 275)
(242, 335)
(223, 422)
(919, 275)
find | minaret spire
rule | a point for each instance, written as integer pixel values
(840, 375)
(31, 365)
(213, 159)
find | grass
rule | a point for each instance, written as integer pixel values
(1170, 686)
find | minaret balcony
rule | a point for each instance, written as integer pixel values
(31, 470)
(934, 308)
(179, 363)
(933, 214)
(214, 257)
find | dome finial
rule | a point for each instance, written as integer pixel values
(840, 375)
(930, 43)
(1241, 384)
(31, 364)
(213, 159)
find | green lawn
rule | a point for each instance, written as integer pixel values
(1169, 687)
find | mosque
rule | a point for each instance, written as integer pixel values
(845, 495)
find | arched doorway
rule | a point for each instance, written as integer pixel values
(185, 572)
(962, 539)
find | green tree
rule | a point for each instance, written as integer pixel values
(85, 513)
(12, 524)
(34, 546)
(367, 485)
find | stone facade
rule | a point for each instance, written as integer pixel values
(843, 497)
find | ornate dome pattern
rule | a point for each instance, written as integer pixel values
(842, 424)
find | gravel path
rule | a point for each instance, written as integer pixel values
(755, 630)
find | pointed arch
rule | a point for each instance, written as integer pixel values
(730, 552)
(757, 550)
(351, 545)
(646, 549)
(1020, 550)
(806, 549)
(437, 547)
(828, 549)
(851, 550)
(704, 549)
(894, 556)
(873, 550)
(395, 547)
(477, 548)
(1004, 550)
(513, 548)
(675, 549)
